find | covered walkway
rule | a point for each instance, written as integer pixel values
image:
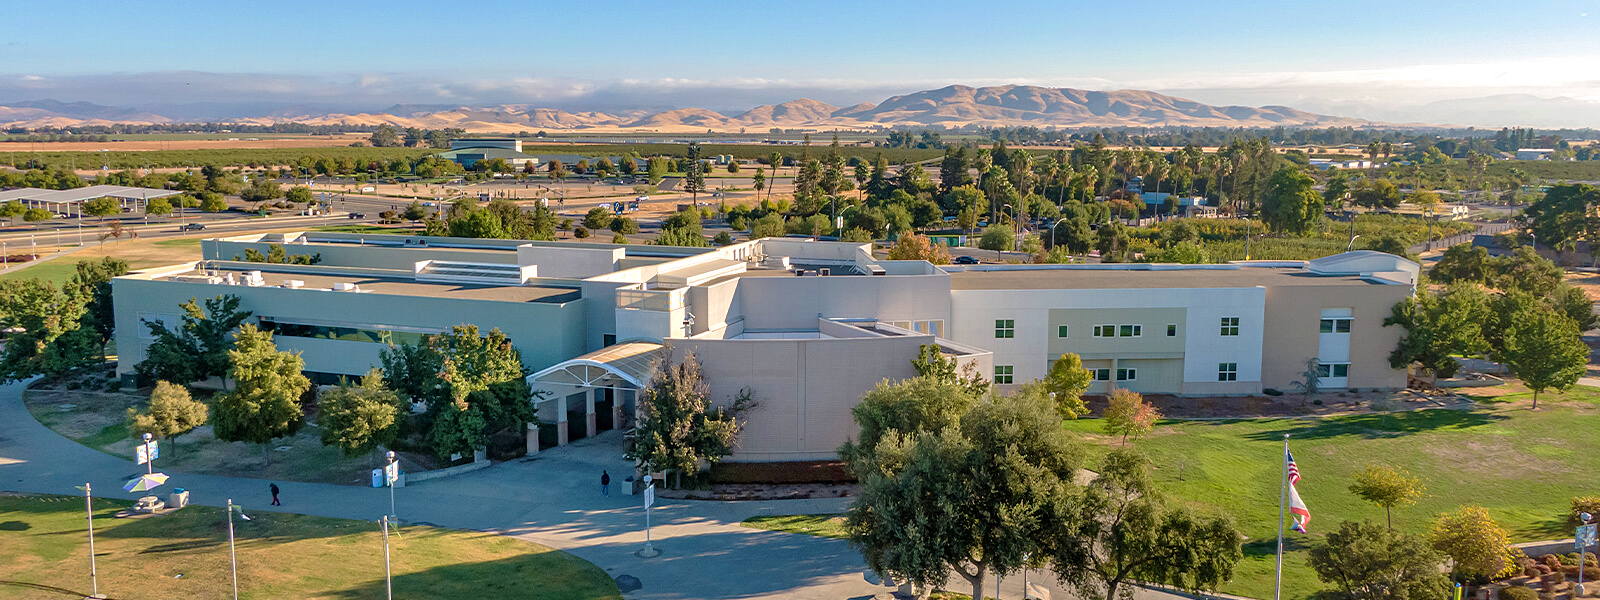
(605, 383)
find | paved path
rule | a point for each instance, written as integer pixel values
(552, 498)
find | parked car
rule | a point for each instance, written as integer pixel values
(354, 216)
(192, 227)
(966, 260)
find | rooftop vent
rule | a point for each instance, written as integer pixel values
(293, 284)
(345, 287)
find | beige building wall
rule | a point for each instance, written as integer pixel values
(1293, 318)
(805, 388)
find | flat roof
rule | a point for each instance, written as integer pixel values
(1079, 278)
(85, 193)
(402, 287)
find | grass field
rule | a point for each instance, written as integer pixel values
(1523, 466)
(185, 555)
(136, 159)
(828, 526)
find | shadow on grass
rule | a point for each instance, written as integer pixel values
(197, 527)
(528, 576)
(1386, 425)
(1292, 542)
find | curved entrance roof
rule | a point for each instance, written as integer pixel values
(625, 365)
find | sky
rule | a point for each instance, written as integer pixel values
(1339, 57)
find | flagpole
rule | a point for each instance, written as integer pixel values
(1283, 491)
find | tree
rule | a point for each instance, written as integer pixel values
(414, 212)
(912, 246)
(11, 210)
(1546, 350)
(1388, 487)
(212, 203)
(1439, 327)
(299, 195)
(974, 498)
(1462, 262)
(930, 402)
(171, 413)
(932, 363)
(196, 349)
(265, 403)
(1112, 241)
(35, 215)
(677, 426)
(49, 332)
(102, 207)
(472, 386)
(91, 283)
(1478, 545)
(384, 137)
(1123, 531)
(357, 418)
(998, 238)
(1129, 415)
(261, 190)
(1367, 562)
(1066, 382)
(769, 225)
(1290, 205)
(598, 218)
(1381, 193)
(624, 225)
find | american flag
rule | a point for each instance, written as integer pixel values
(1297, 507)
(1294, 471)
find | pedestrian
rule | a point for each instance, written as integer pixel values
(605, 483)
(274, 488)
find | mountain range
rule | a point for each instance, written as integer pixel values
(951, 106)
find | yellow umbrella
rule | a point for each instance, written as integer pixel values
(145, 483)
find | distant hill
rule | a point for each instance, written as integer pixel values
(952, 106)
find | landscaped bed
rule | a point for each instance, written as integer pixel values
(44, 544)
(97, 418)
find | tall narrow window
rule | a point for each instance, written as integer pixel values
(1172, 330)
(1061, 331)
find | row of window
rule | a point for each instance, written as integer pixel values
(1336, 325)
(1004, 374)
(1007, 328)
(344, 334)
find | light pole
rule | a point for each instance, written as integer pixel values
(233, 556)
(1352, 245)
(391, 474)
(388, 576)
(1584, 537)
(1427, 214)
(649, 500)
(94, 578)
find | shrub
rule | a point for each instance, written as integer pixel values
(1317, 402)
(1271, 392)
(581, 232)
(723, 238)
(618, 238)
(1582, 504)
(114, 386)
(738, 223)
(1516, 592)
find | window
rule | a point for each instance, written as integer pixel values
(1227, 371)
(1105, 331)
(1336, 326)
(1002, 374)
(1005, 328)
(1172, 330)
(1131, 331)
(1333, 370)
(344, 334)
(1230, 326)
(1061, 331)
(1100, 374)
(1127, 374)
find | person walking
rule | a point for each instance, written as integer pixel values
(605, 483)
(274, 488)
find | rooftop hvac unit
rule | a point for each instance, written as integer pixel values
(345, 287)
(824, 271)
(293, 284)
(254, 279)
(799, 272)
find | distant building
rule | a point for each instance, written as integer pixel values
(1323, 164)
(1192, 206)
(467, 152)
(1534, 153)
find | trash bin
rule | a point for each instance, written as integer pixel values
(377, 478)
(632, 489)
(179, 498)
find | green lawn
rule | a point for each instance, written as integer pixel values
(185, 555)
(60, 270)
(828, 526)
(1523, 466)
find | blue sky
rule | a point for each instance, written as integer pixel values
(731, 55)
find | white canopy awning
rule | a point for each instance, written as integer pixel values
(623, 366)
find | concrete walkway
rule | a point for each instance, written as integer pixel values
(552, 498)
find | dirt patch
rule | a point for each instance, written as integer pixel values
(192, 144)
(1287, 405)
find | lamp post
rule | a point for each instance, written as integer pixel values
(94, 578)
(1427, 215)
(649, 500)
(388, 576)
(1583, 538)
(1352, 245)
(391, 475)
(233, 556)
